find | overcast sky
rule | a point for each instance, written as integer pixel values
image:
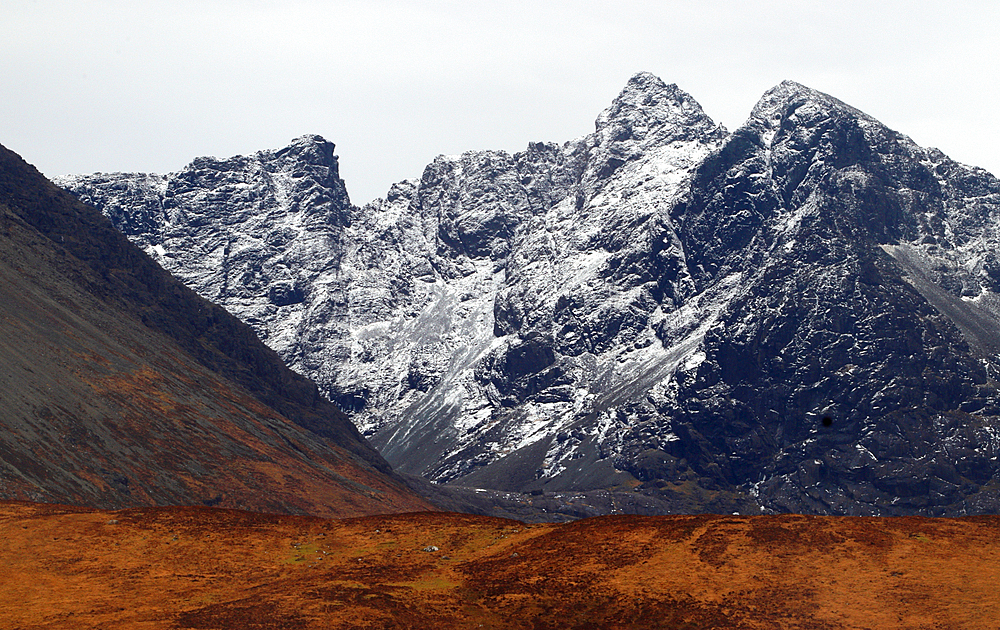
(147, 86)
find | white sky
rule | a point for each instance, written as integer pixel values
(149, 85)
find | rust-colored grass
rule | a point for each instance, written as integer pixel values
(210, 568)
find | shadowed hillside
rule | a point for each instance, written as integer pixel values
(121, 387)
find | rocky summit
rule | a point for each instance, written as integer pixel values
(800, 315)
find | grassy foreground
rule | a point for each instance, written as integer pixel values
(209, 568)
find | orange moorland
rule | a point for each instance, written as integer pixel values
(207, 568)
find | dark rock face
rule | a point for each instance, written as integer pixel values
(840, 386)
(834, 366)
(799, 315)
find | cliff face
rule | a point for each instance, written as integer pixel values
(855, 369)
(121, 387)
(798, 315)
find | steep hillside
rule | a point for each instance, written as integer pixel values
(121, 387)
(799, 315)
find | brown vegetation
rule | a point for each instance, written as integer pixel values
(209, 568)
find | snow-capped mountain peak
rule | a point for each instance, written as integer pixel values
(799, 315)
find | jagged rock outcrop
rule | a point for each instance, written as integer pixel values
(798, 315)
(844, 379)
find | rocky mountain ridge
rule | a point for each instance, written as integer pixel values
(798, 315)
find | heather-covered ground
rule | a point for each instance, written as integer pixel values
(209, 568)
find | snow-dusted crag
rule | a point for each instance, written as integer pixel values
(799, 315)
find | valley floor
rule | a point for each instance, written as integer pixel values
(207, 568)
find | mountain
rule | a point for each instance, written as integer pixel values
(121, 387)
(799, 315)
